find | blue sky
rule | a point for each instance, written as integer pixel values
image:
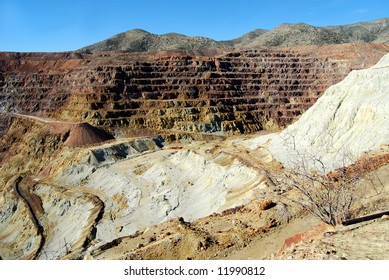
(65, 25)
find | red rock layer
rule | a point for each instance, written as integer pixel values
(235, 91)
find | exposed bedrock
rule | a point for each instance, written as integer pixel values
(348, 123)
(229, 92)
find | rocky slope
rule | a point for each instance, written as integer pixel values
(349, 120)
(225, 92)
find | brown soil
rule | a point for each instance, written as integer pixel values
(84, 134)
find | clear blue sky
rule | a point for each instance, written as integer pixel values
(65, 25)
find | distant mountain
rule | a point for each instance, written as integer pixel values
(284, 35)
(138, 40)
(288, 35)
(376, 31)
(246, 38)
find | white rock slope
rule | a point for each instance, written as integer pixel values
(352, 117)
(139, 185)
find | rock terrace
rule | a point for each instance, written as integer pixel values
(227, 92)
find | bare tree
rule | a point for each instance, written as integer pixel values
(329, 199)
(328, 196)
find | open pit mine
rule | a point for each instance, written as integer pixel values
(172, 154)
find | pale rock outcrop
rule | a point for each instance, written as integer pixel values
(93, 195)
(19, 235)
(155, 187)
(350, 119)
(67, 220)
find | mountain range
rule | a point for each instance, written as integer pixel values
(284, 35)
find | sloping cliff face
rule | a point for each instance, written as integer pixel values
(351, 118)
(239, 91)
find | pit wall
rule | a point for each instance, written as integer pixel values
(232, 92)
